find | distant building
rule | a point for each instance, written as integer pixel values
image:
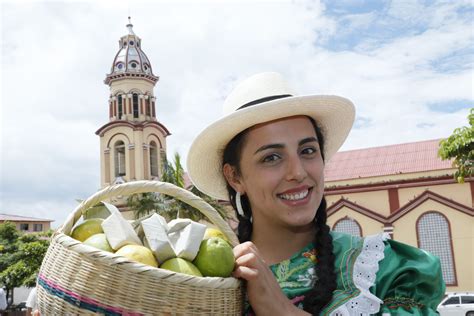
(27, 224)
(133, 142)
(408, 192)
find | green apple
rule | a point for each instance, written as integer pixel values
(99, 241)
(87, 228)
(182, 266)
(215, 258)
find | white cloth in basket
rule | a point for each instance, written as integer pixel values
(118, 230)
(156, 238)
(186, 236)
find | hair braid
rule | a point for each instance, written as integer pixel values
(322, 291)
(244, 230)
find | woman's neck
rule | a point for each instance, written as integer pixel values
(276, 244)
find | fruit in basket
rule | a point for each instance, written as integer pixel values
(182, 266)
(138, 253)
(214, 232)
(215, 258)
(87, 228)
(99, 241)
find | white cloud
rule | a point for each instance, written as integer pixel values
(55, 56)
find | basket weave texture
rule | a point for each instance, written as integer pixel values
(76, 279)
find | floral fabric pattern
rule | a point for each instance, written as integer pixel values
(296, 276)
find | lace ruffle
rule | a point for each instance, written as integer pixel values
(364, 271)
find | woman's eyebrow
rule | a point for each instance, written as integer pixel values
(269, 146)
(307, 140)
(279, 146)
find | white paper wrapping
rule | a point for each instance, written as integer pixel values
(185, 236)
(156, 237)
(118, 230)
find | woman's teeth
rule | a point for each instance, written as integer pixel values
(294, 197)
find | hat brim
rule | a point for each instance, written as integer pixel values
(333, 114)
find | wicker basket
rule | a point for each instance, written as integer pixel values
(76, 279)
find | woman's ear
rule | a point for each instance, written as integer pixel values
(233, 178)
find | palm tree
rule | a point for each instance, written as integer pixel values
(146, 204)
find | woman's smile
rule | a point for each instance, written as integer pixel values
(296, 196)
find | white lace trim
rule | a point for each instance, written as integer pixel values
(365, 268)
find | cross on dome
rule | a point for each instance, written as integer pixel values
(130, 26)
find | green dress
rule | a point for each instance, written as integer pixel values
(375, 275)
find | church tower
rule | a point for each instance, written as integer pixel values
(133, 142)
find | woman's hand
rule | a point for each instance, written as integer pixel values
(264, 293)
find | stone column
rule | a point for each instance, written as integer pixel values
(393, 200)
(146, 159)
(147, 105)
(131, 154)
(107, 166)
(114, 107)
(140, 102)
(153, 113)
(129, 104)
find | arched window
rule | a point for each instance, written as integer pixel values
(120, 106)
(119, 158)
(434, 236)
(135, 105)
(153, 159)
(349, 226)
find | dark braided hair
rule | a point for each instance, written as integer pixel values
(323, 288)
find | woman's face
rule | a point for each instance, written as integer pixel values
(281, 172)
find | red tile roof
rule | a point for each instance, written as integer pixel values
(17, 218)
(385, 160)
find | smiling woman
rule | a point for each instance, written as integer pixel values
(282, 172)
(267, 156)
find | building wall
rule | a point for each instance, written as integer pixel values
(368, 225)
(404, 228)
(136, 152)
(127, 85)
(458, 192)
(45, 226)
(374, 200)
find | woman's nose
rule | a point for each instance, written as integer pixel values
(296, 170)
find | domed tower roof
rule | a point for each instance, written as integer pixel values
(130, 61)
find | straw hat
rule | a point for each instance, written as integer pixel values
(261, 98)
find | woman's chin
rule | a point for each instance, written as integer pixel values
(301, 223)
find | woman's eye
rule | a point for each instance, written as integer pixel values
(270, 158)
(308, 151)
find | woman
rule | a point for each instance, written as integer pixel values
(267, 156)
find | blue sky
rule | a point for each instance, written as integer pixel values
(406, 65)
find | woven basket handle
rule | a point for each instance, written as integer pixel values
(150, 186)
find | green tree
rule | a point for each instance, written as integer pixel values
(460, 147)
(167, 206)
(20, 257)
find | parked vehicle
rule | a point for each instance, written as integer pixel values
(457, 304)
